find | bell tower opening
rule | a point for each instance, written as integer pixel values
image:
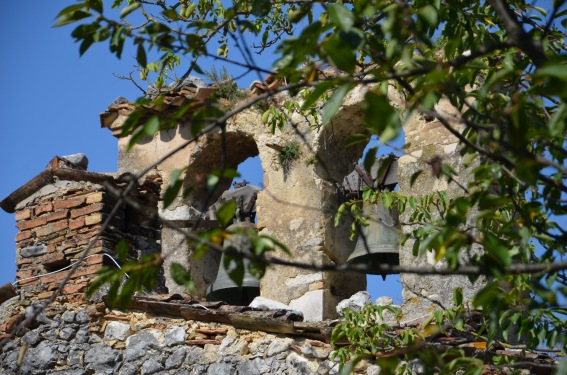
(243, 191)
(387, 285)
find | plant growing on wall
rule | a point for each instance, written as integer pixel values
(501, 64)
(226, 85)
(290, 152)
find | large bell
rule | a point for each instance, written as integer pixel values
(224, 288)
(379, 242)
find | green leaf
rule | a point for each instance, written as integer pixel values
(341, 53)
(226, 212)
(68, 18)
(355, 139)
(122, 250)
(314, 96)
(70, 9)
(349, 367)
(173, 189)
(438, 315)
(429, 14)
(414, 177)
(458, 296)
(235, 268)
(334, 103)
(380, 117)
(129, 9)
(141, 56)
(340, 16)
(179, 274)
(95, 4)
(85, 44)
(261, 8)
(151, 126)
(171, 14)
(370, 159)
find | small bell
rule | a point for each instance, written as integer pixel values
(379, 241)
(224, 288)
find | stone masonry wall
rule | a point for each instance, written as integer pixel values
(77, 341)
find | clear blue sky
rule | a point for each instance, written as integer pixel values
(50, 103)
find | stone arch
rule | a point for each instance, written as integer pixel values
(237, 146)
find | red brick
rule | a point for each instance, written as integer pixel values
(52, 228)
(23, 235)
(54, 277)
(25, 273)
(69, 203)
(57, 215)
(46, 207)
(74, 288)
(23, 215)
(97, 259)
(89, 270)
(14, 321)
(28, 224)
(97, 207)
(77, 223)
(28, 282)
(22, 261)
(54, 259)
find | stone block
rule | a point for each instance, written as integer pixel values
(95, 197)
(33, 251)
(93, 219)
(116, 331)
(315, 305)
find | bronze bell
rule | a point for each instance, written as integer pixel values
(379, 242)
(224, 288)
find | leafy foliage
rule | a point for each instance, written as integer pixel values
(500, 64)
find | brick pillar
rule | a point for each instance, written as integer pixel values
(58, 217)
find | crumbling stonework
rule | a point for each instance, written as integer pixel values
(75, 340)
(297, 207)
(429, 139)
(59, 213)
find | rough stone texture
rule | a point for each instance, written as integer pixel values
(240, 352)
(428, 139)
(116, 331)
(356, 302)
(296, 207)
(174, 336)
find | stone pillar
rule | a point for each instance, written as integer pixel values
(428, 138)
